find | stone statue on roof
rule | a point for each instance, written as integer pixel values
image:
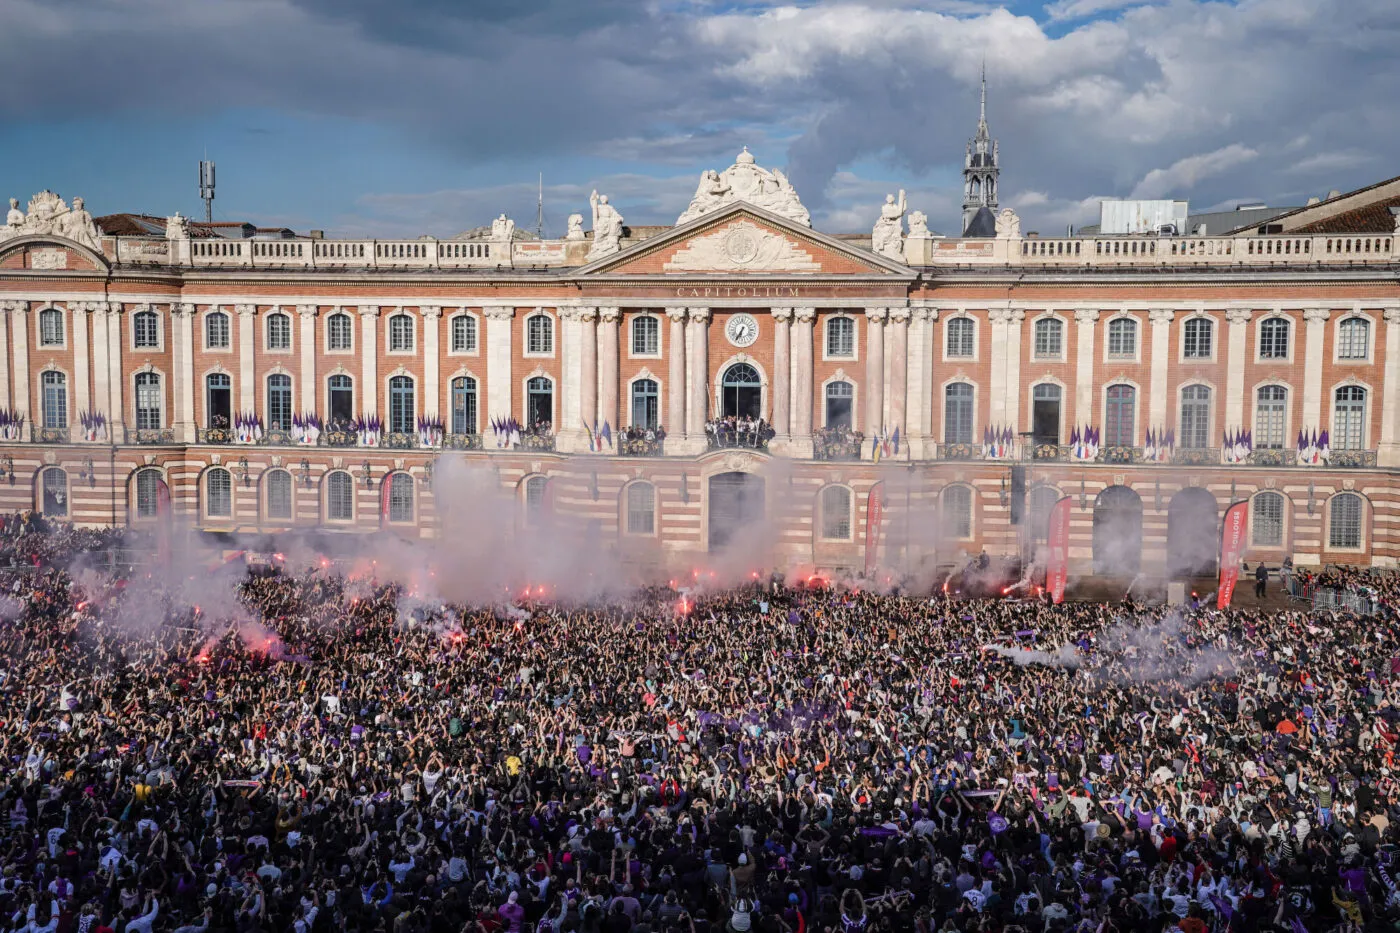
(176, 227)
(748, 182)
(1008, 224)
(918, 226)
(49, 214)
(503, 229)
(575, 227)
(887, 238)
(607, 228)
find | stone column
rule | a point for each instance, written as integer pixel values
(499, 387)
(247, 347)
(5, 307)
(782, 371)
(1313, 361)
(875, 371)
(994, 411)
(1161, 320)
(116, 331)
(78, 321)
(920, 410)
(1388, 453)
(369, 360)
(306, 314)
(180, 350)
(897, 387)
(805, 322)
(183, 395)
(608, 330)
(698, 373)
(432, 380)
(568, 433)
(1085, 320)
(588, 385)
(19, 360)
(675, 379)
(1236, 346)
(101, 393)
(1014, 404)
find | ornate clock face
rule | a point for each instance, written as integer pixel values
(742, 330)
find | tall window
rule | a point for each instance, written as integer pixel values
(216, 331)
(464, 405)
(340, 332)
(641, 509)
(741, 392)
(839, 404)
(1039, 503)
(146, 330)
(539, 401)
(1198, 337)
(55, 493)
(962, 332)
(836, 513)
(400, 333)
(279, 402)
(341, 390)
(340, 497)
(51, 328)
(539, 334)
(1349, 419)
(148, 493)
(957, 512)
(1353, 338)
(218, 493)
(464, 334)
(1122, 338)
(1273, 338)
(401, 405)
(1119, 428)
(957, 414)
(1270, 416)
(1344, 529)
(1045, 413)
(1195, 417)
(148, 397)
(646, 403)
(1268, 520)
(1049, 338)
(55, 399)
(279, 494)
(279, 331)
(536, 490)
(400, 497)
(840, 337)
(646, 336)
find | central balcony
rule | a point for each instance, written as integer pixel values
(837, 445)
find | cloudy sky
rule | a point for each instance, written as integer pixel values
(404, 117)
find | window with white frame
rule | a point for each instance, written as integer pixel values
(218, 493)
(957, 512)
(1270, 417)
(1344, 527)
(1268, 520)
(1198, 338)
(278, 487)
(1273, 338)
(646, 335)
(400, 497)
(1195, 417)
(646, 404)
(402, 405)
(279, 402)
(836, 513)
(536, 496)
(340, 332)
(464, 334)
(957, 413)
(1122, 338)
(54, 400)
(340, 497)
(1120, 416)
(51, 328)
(400, 333)
(340, 390)
(54, 493)
(840, 338)
(1353, 338)
(961, 338)
(148, 402)
(279, 331)
(1349, 419)
(641, 509)
(1049, 338)
(145, 329)
(464, 405)
(539, 334)
(148, 484)
(216, 331)
(840, 407)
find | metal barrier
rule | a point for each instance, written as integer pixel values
(1329, 599)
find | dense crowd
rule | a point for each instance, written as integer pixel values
(735, 431)
(323, 752)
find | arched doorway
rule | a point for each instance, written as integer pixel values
(1193, 533)
(741, 392)
(737, 501)
(1118, 532)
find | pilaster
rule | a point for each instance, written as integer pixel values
(1388, 452)
(369, 359)
(183, 395)
(1315, 321)
(608, 329)
(874, 424)
(432, 380)
(19, 358)
(697, 376)
(897, 378)
(1236, 347)
(1085, 323)
(1161, 321)
(499, 387)
(78, 327)
(675, 381)
(1012, 405)
(804, 321)
(782, 373)
(247, 344)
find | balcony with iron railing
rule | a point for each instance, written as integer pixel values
(837, 444)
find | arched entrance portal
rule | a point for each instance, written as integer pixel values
(741, 392)
(736, 502)
(1193, 533)
(1118, 532)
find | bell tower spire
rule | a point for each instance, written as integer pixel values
(982, 165)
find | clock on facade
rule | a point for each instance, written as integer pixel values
(742, 330)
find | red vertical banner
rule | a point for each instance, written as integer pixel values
(1057, 543)
(1232, 544)
(874, 513)
(384, 490)
(162, 521)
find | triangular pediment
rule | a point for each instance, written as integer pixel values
(744, 240)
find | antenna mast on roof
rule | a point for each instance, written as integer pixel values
(539, 214)
(206, 188)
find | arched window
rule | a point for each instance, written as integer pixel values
(539, 402)
(218, 401)
(1041, 500)
(464, 405)
(962, 334)
(1349, 419)
(1049, 338)
(54, 501)
(148, 493)
(279, 331)
(957, 413)
(464, 334)
(1122, 338)
(1045, 413)
(1267, 514)
(536, 493)
(1195, 417)
(51, 328)
(840, 398)
(1120, 426)
(836, 513)
(957, 512)
(401, 405)
(340, 331)
(148, 399)
(55, 399)
(1273, 338)
(641, 509)
(218, 493)
(145, 331)
(539, 334)
(741, 392)
(216, 331)
(1344, 527)
(646, 404)
(340, 497)
(278, 487)
(840, 338)
(1353, 339)
(1198, 338)
(646, 336)
(400, 333)
(341, 390)
(279, 402)
(1270, 417)
(400, 497)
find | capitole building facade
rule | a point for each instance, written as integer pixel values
(670, 390)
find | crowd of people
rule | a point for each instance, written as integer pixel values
(735, 431)
(308, 750)
(641, 441)
(837, 442)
